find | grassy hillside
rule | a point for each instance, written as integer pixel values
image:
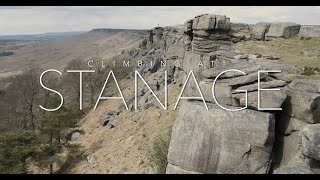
(295, 51)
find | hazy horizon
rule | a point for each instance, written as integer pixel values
(41, 20)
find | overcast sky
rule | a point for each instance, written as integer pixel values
(34, 20)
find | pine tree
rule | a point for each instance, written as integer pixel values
(52, 127)
(15, 149)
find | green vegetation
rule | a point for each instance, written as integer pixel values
(15, 149)
(42, 145)
(296, 51)
(157, 154)
(36, 138)
(52, 127)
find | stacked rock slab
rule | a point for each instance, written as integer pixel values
(220, 141)
(210, 42)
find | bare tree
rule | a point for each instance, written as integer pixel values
(23, 96)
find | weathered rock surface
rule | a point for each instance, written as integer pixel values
(244, 67)
(268, 99)
(291, 147)
(295, 166)
(286, 77)
(210, 32)
(187, 26)
(311, 141)
(219, 141)
(287, 125)
(108, 120)
(305, 86)
(263, 85)
(211, 22)
(269, 65)
(259, 31)
(222, 92)
(121, 170)
(302, 105)
(282, 30)
(247, 79)
(75, 136)
(271, 56)
(309, 31)
(172, 169)
(240, 32)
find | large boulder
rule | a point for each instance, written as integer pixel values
(247, 79)
(291, 147)
(240, 31)
(311, 141)
(187, 27)
(268, 99)
(305, 86)
(172, 169)
(302, 105)
(282, 30)
(244, 67)
(211, 22)
(309, 31)
(222, 91)
(209, 33)
(288, 125)
(286, 77)
(75, 136)
(259, 31)
(220, 141)
(296, 166)
(263, 85)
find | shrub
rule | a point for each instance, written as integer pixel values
(308, 71)
(157, 154)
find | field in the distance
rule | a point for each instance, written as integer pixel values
(301, 52)
(296, 51)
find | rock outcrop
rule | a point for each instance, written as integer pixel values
(220, 141)
(309, 31)
(253, 140)
(282, 30)
(217, 141)
(259, 31)
(240, 32)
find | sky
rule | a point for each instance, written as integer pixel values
(37, 20)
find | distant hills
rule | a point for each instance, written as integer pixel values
(118, 30)
(41, 37)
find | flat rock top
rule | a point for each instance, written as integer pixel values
(305, 86)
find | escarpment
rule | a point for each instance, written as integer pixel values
(248, 141)
(262, 116)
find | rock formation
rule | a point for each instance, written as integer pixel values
(309, 31)
(220, 141)
(284, 30)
